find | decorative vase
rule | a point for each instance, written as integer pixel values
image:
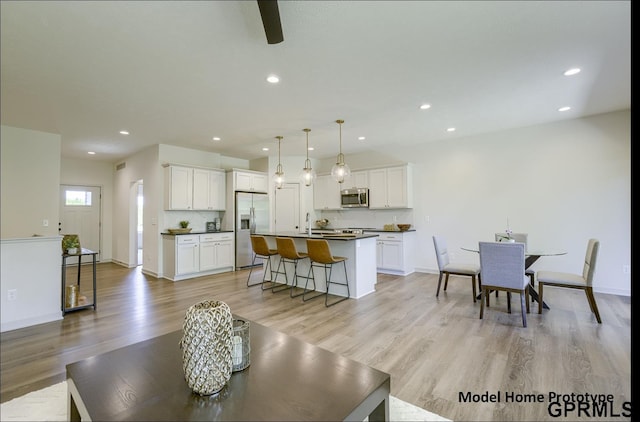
(207, 346)
(241, 345)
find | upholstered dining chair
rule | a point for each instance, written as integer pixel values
(522, 238)
(574, 281)
(446, 267)
(502, 266)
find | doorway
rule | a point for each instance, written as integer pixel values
(139, 225)
(287, 208)
(80, 213)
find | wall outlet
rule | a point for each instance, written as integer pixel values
(626, 269)
(427, 219)
(45, 223)
(12, 294)
(395, 218)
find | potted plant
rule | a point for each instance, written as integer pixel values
(184, 224)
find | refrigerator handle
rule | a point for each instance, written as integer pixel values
(252, 220)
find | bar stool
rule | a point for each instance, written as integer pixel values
(288, 254)
(320, 255)
(261, 250)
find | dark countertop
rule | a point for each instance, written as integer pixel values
(192, 232)
(328, 236)
(389, 231)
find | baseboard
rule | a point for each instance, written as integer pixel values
(28, 322)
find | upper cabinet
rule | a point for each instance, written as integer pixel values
(188, 188)
(208, 189)
(250, 181)
(391, 187)
(358, 179)
(178, 183)
(326, 193)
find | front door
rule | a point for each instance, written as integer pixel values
(80, 214)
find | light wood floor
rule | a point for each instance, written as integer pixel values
(434, 348)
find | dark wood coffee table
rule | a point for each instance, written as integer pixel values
(287, 380)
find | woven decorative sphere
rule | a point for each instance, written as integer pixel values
(207, 346)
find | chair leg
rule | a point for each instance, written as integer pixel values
(253, 262)
(286, 278)
(310, 276)
(264, 275)
(439, 282)
(540, 286)
(526, 297)
(473, 287)
(523, 306)
(592, 303)
(446, 282)
(509, 302)
(326, 298)
(483, 293)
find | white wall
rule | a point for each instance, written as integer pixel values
(562, 183)
(30, 182)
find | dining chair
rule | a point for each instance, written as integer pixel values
(502, 265)
(574, 281)
(522, 238)
(446, 267)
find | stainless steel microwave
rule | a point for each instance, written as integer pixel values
(354, 198)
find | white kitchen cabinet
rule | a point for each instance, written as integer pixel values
(189, 188)
(187, 255)
(250, 181)
(326, 193)
(208, 189)
(195, 255)
(394, 252)
(358, 179)
(391, 187)
(178, 182)
(216, 251)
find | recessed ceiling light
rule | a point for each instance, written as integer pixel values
(425, 106)
(451, 129)
(91, 153)
(216, 138)
(361, 138)
(265, 149)
(564, 108)
(273, 79)
(124, 132)
(573, 71)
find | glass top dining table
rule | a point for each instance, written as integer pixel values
(530, 256)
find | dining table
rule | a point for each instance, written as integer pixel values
(530, 256)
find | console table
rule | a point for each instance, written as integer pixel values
(287, 380)
(65, 256)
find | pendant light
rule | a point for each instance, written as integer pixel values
(278, 177)
(340, 171)
(308, 174)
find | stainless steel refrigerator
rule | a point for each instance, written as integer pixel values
(252, 216)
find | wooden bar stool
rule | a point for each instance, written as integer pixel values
(320, 255)
(288, 254)
(261, 250)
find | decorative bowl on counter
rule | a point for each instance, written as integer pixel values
(404, 227)
(322, 223)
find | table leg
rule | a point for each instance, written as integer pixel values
(64, 283)
(79, 266)
(528, 261)
(94, 283)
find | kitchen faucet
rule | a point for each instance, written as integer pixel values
(308, 225)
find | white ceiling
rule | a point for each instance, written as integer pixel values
(182, 72)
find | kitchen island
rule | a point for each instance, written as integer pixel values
(359, 249)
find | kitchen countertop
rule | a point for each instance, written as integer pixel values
(326, 235)
(192, 232)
